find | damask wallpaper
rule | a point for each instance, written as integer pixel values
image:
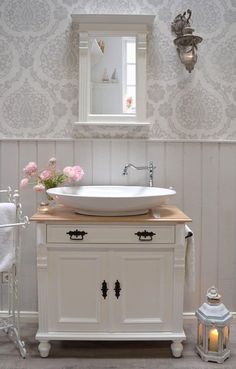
(39, 68)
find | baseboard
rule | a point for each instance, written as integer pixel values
(32, 316)
(25, 316)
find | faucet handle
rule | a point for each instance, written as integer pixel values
(125, 170)
(150, 165)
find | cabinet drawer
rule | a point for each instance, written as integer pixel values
(110, 234)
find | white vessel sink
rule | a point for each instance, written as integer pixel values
(111, 200)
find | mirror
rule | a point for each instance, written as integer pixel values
(112, 75)
(112, 70)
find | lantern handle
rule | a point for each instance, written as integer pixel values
(213, 295)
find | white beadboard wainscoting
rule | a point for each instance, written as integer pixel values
(202, 173)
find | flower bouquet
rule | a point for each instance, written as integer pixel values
(49, 177)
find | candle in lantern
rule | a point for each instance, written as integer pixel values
(213, 340)
(226, 337)
(200, 334)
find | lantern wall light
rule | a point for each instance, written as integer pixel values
(213, 320)
(185, 42)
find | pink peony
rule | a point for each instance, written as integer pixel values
(39, 187)
(46, 174)
(24, 182)
(69, 172)
(30, 169)
(75, 173)
(78, 173)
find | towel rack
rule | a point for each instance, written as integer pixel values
(9, 193)
(10, 322)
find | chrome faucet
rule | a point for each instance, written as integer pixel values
(150, 167)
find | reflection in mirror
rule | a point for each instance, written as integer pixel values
(113, 75)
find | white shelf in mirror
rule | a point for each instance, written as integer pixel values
(97, 27)
(106, 84)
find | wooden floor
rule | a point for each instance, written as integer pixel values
(108, 355)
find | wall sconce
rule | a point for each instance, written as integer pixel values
(186, 42)
(213, 321)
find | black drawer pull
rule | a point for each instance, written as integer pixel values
(145, 235)
(76, 235)
(104, 289)
(117, 289)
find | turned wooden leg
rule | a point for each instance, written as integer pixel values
(44, 348)
(176, 348)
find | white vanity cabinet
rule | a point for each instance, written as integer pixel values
(108, 291)
(105, 278)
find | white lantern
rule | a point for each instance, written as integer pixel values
(213, 328)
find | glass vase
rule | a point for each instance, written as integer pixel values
(47, 203)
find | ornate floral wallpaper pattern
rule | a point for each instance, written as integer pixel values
(39, 68)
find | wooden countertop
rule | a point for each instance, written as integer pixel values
(169, 214)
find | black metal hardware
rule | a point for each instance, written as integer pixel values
(117, 289)
(78, 235)
(145, 235)
(104, 289)
(189, 234)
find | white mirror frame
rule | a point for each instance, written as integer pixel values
(90, 25)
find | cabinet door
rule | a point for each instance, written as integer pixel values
(75, 298)
(146, 283)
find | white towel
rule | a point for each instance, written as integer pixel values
(190, 259)
(7, 246)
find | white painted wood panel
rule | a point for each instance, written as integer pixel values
(46, 150)
(210, 217)
(83, 157)
(119, 155)
(9, 164)
(203, 174)
(227, 221)
(8, 177)
(28, 152)
(142, 275)
(227, 211)
(174, 170)
(64, 152)
(80, 309)
(101, 162)
(192, 197)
